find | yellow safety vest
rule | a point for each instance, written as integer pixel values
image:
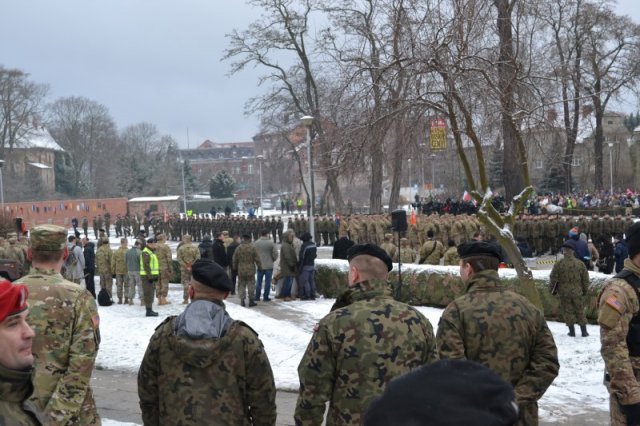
(153, 263)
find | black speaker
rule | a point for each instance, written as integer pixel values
(399, 220)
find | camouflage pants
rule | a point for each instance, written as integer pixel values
(149, 288)
(244, 284)
(573, 310)
(528, 414)
(122, 286)
(185, 279)
(162, 285)
(135, 282)
(106, 282)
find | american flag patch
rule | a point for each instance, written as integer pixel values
(96, 321)
(615, 304)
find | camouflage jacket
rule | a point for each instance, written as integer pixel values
(187, 254)
(103, 260)
(407, 255)
(520, 347)
(390, 248)
(431, 252)
(118, 262)
(65, 320)
(356, 351)
(617, 304)
(15, 408)
(451, 257)
(571, 275)
(165, 259)
(224, 378)
(245, 260)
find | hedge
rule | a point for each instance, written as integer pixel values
(437, 286)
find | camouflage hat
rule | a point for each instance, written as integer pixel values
(48, 238)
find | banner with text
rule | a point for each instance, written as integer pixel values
(438, 134)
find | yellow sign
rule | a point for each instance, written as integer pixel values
(438, 134)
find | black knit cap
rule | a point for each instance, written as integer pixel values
(633, 239)
(451, 392)
(209, 273)
(371, 250)
(479, 248)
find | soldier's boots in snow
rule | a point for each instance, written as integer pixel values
(583, 328)
(151, 313)
(572, 330)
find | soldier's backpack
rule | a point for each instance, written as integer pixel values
(69, 265)
(103, 298)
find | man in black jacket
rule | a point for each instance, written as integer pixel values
(340, 248)
(89, 265)
(219, 251)
(230, 251)
(306, 268)
(206, 248)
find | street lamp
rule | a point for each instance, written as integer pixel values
(433, 173)
(260, 158)
(610, 168)
(410, 189)
(184, 190)
(307, 121)
(1, 188)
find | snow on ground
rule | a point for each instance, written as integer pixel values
(126, 331)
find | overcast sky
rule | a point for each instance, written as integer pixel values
(146, 60)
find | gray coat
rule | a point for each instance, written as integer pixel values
(78, 271)
(288, 258)
(267, 251)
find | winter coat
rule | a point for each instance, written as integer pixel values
(206, 250)
(103, 260)
(267, 251)
(219, 253)
(288, 258)
(78, 269)
(118, 262)
(89, 257)
(246, 260)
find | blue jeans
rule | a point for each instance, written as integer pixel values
(307, 283)
(286, 287)
(266, 273)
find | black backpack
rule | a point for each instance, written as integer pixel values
(103, 298)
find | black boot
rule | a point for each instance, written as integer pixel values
(242, 302)
(252, 303)
(583, 328)
(572, 330)
(151, 313)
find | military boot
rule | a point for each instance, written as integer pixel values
(164, 299)
(572, 331)
(119, 300)
(252, 303)
(242, 302)
(583, 328)
(151, 313)
(126, 300)
(130, 301)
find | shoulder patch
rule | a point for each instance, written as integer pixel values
(613, 302)
(96, 321)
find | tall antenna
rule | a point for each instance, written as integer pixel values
(187, 138)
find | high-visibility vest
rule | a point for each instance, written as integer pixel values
(153, 263)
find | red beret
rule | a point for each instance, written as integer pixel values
(13, 299)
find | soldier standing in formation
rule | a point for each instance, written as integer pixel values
(132, 259)
(65, 353)
(570, 280)
(500, 329)
(431, 251)
(165, 261)
(119, 269)
(203, 367)
(451, 257)
(246, 261)
(149, 274)
(388, 246)
(103, 264)
(187, 255)
(357, 350)
(618, 316)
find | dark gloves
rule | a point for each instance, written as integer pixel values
(632, 412)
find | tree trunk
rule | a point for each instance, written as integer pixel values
(394, 197)
(599, 140)
(377, 157)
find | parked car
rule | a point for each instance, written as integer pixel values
(267, 204)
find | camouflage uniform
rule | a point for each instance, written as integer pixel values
(15, 389)
(165, 260)
(356, 351)
(103, 265)
(617, 305)
(520, 347)
(451, 257)
(119, 268)
(573, 282)
(245, 261)
(406, 253)
(187, 254)
(225, 380)
(431, 252)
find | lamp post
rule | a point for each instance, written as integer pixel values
(1, 188)
(307, 121)
(184, 188)
(433, 173)
(410, 188)
(610, 168)
(260, 158)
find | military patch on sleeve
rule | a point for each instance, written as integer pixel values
(96, 321)
(615, 304)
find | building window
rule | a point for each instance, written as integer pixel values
(539, 164)
(250, 169)
(610, 122)
(576, 161)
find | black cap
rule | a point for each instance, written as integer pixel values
(306, 237)
(479, 248)
(371, 250)
(570, 244)
(633, 239)
(452, 392)
(209, 273)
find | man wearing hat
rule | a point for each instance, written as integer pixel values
(358, 349)
(618, 316)
(203, 367)
(16, 359)
(570, 280)
(165, 262)
(499, 328)
(65, 319)
(149, 274)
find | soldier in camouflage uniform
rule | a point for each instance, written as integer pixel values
(432, 250)
(119, 268)
(203, 367)
(451, 257)
(103, 265)
(358, 349)
(499, 329)
(618, 316)
(246, 261)
(388, 246)
(187, 255)
(406, 253)
(65, 319)
(165, 261)
(570, 280)
(16, 360)
(85, 227)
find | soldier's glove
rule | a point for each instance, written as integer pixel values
(632, 412)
